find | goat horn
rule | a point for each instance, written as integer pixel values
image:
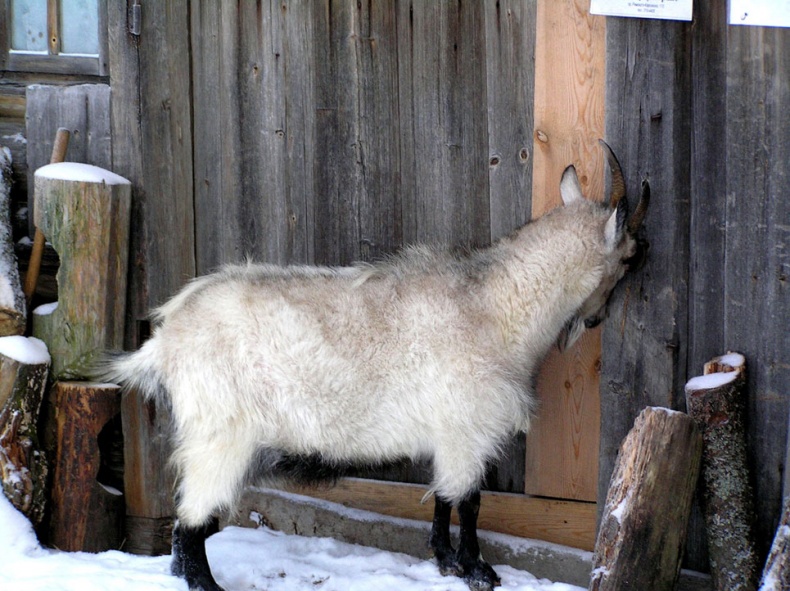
(618, 182)
(641, 209)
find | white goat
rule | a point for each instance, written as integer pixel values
(274, 372)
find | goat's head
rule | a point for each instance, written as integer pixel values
(626, 248)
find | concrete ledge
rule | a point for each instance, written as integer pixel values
(306, 516)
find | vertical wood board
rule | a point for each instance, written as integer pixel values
(84, 110)
(152, 127)
(757, 251)
(562, 448)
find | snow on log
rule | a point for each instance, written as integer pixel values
(86, 513)
(716, 402)
(12, 299)
(84, 211)
(776, 576)
(643, 529)
(24, 367)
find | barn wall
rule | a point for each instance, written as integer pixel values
(699, 107)
(336, 131)
(332, 132)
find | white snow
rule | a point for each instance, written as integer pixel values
(732, 359)
(711, 380)
(45, 309)
(17, 138)
(76, 171)
(29, 350)
(242, 559)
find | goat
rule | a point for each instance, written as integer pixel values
(273, 373)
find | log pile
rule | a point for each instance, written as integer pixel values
(716, 401)
(24, 367)
(643, 529)
(776, 576)
(13, 312)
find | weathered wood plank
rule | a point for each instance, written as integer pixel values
(444, 155)
(151, 112)
(648, 126)
(569, 118)
(510, 85)
(84, 110)
(708, 203)
(563, 522)
(757, 298)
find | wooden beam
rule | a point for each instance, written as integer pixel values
(562, 522)
(562, 449)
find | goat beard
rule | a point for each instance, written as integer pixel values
(571, 332)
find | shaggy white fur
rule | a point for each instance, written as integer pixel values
(428, 354)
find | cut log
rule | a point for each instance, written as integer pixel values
(776, 576)
(13, 312)
(24, 367)
(643, 529)
(84, 211)
(87, 513)
(716, 402)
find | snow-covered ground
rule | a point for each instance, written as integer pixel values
(242, 560)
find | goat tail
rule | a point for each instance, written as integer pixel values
(132, 371)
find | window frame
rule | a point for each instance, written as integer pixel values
(53, 62)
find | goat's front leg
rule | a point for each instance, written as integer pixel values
(189, 556)
(466, 562)
(440, 539)
(478, 574)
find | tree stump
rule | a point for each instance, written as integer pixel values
(24, 367)
(643, 529)
(84, 211)
(776, 576)
(716, 402)
(13, 312)
(87, 513)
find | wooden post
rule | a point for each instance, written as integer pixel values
(84, 210)
(87, 514)
(24, 367)
(643, 530)
(34, 266)
(776, 576)
(12, 300)
(716, 402)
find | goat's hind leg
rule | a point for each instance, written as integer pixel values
(477, 573)
(189, 556)
(440, 541)
(466, 562)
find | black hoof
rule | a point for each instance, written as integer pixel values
(481, 577)
(450, 567)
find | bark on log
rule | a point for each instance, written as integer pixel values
(87, 514)
(643, 529)
(84, 211)
(716, 402)
(24, 367)
(776, 576)
(13, 312)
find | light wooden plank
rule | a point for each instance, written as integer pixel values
(562, 522)
(562, 449)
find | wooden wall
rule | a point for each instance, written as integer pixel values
(701, 108)
(336, 131)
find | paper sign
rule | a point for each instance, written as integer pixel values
(679, 10)
(766, 13)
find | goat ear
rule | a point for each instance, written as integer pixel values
(615, 225)
(570, 189)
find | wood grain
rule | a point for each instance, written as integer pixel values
(562, 449)
(562, 522)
